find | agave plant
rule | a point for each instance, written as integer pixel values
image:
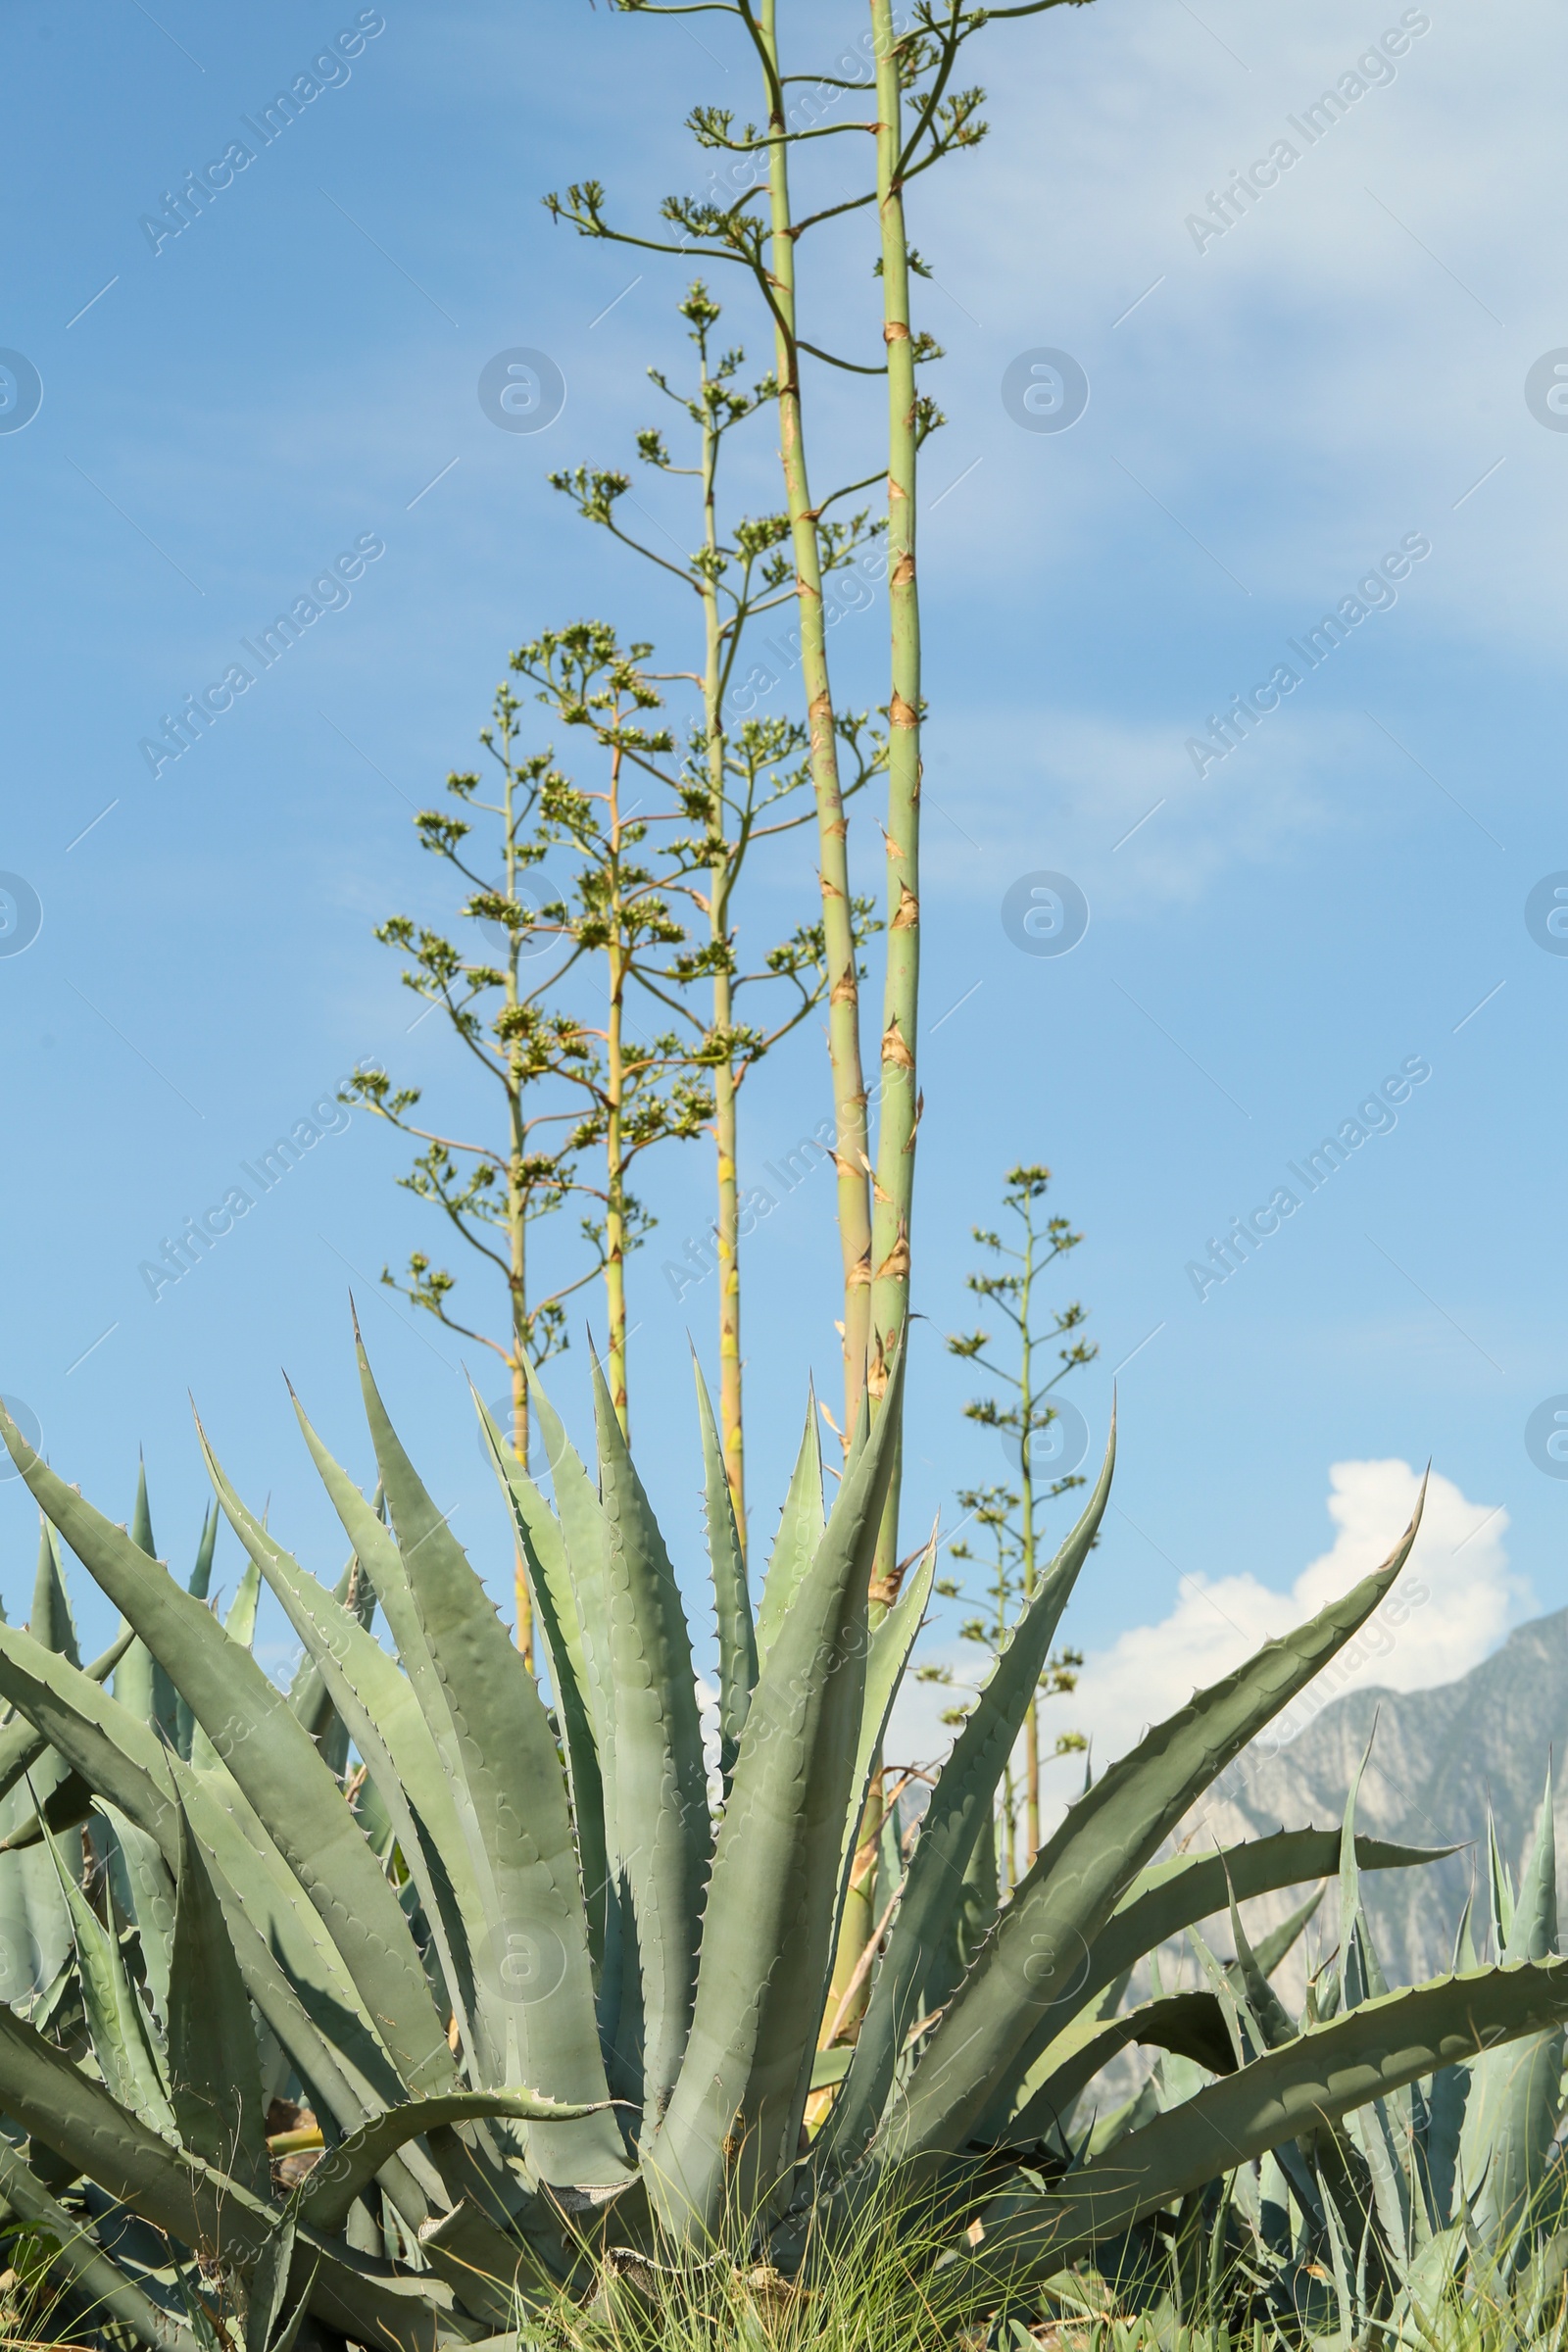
(1456, 2176)
(553, 2000)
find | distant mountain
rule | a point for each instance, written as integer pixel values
(1437, 1757)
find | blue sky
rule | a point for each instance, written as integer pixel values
(1271, 411)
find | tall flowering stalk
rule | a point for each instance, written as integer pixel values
(1011, 1286)
(737, 786)
(852, 1137)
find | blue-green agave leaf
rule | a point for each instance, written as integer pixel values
(102, 2289)
(335, 2183)
(799, 1532)
(663, 1831)
(1513, 2106)
(273, 1761)
(215, 2077)
(538, 1966)
(1039, 1957)
(116, 2022)
(732, 1600)
(554, 1607)
(1363, 2054)
(959, 1813)
(201, 1579)
(773, 1904)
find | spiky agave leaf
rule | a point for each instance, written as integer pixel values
(274, 1762)
(239, 1624)
(1324, 2072)
(1039, 1956)
(1515, 2095)
(959, 1813)
(585, 1545)
(291, 1969)
(365, 1688)
(120, 2042)
(34, 1922)
(772, 1900)
(732, 1600)
(800, 1530)
(488, 1796)
(100, 2287)
(215, 2076)
(663, 1831)
(474, 1797)
(200, 1577)
(1188, 2024)
(560, 1627)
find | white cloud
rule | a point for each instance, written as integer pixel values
(1103, 777)
(1454, 1604)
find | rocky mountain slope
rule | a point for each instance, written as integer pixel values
(1438, 1755)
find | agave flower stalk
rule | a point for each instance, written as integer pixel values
(725, 1123)
(637, 1090)
(898, 1112)
(1013, 1518)
(852, 1134)
(491, 1188)
(730, 232)
(737, 784)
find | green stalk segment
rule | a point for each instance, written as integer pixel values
(851, 1147)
